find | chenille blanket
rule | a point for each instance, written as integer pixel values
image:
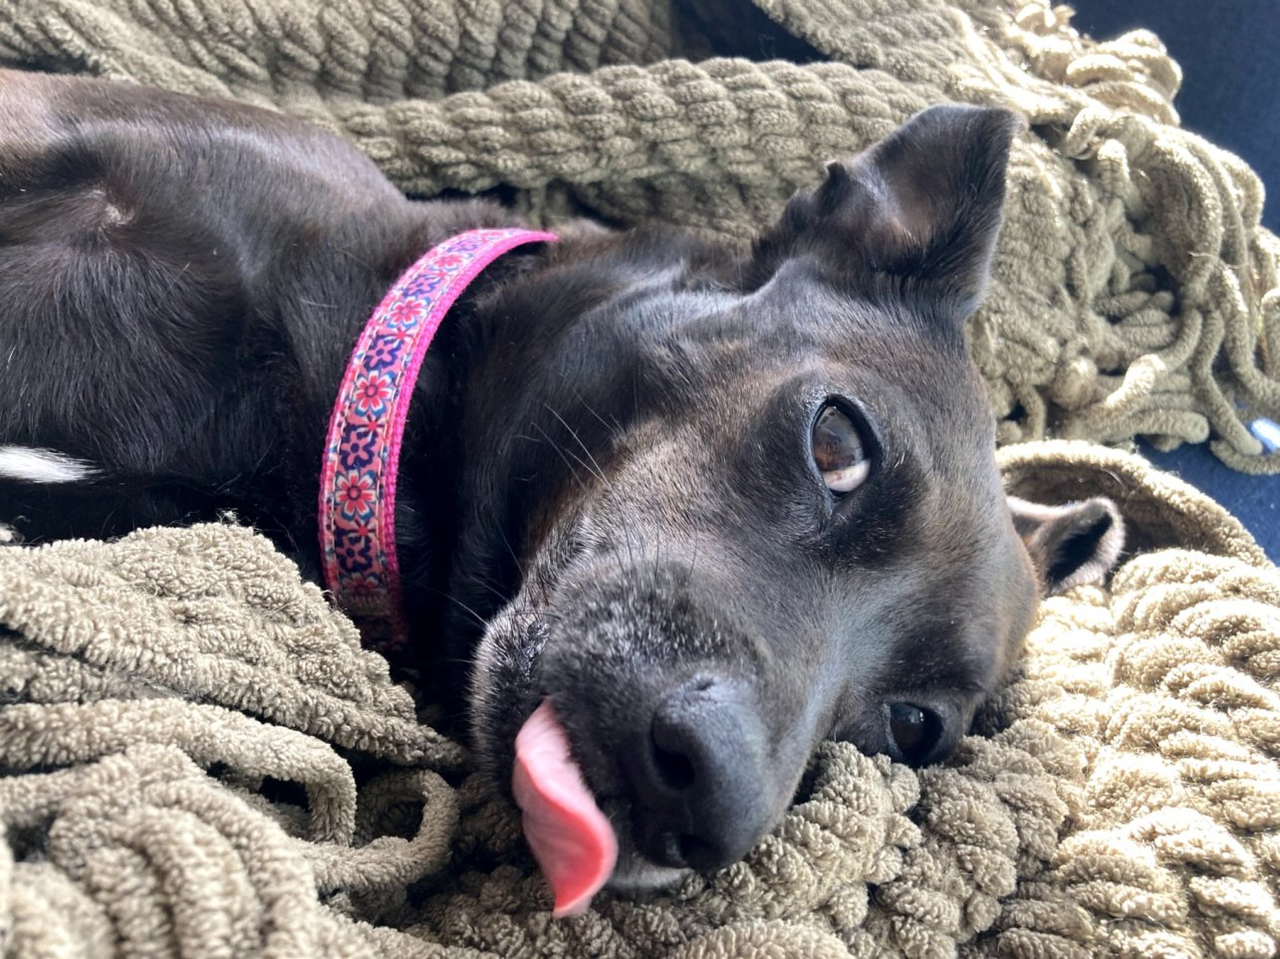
(198, 758)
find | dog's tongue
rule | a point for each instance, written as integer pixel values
(569, 835)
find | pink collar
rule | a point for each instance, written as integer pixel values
(362, 450)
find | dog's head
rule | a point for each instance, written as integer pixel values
(768, 510)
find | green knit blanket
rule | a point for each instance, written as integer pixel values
(197, 758)
(200, 760)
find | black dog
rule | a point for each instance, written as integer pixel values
(715, 505)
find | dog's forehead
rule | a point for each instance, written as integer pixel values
(740, 390)
(888, 354)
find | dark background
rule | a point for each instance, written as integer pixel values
(1229, 52)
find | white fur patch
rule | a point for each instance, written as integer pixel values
(42, 466)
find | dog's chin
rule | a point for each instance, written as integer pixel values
(635, 875)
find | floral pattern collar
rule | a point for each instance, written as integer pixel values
(362, 449)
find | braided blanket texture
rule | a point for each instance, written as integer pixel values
(201, 760)
(1135, 292)
(198, 758)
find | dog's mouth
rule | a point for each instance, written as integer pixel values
(541, 722)
(570, 837)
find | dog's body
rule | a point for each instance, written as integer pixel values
(716, 505)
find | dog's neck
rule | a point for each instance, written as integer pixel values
(356, 510)
(508, 365)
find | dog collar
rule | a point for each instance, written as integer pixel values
(362, 449)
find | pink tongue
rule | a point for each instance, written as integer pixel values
(569, 835)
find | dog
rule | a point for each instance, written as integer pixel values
(681, 511)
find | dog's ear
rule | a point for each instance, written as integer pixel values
(1069, 544)
(922, 206)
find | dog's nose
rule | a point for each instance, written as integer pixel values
(701, 782)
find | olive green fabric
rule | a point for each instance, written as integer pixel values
(200, 759)
(1135, 293)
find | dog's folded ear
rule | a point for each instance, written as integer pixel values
(921, 207)
(1070, 544)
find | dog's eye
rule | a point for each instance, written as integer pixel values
(838, 451)
(915, 731)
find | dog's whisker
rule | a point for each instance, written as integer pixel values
(511, 551)
(351, 256)
(484, 582)
(616, 433)
(599, 472)
(457, 602)
(178, 276)
(617, 437)
(573, 471)
(693, 556)
(595, 465)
